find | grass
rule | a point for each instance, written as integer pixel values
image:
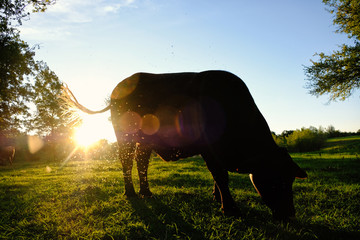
(84, 200)
(339, 145)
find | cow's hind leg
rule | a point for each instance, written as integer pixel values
(221, 179)
(216, 190)
(142, 157)
(126, 158)
(216, 193)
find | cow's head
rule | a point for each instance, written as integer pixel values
(274, 185)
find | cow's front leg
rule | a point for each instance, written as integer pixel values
(126, 155)
(221, 178)
(142, 161)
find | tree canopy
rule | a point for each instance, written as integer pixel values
(17, 64)
(338, 74)
(49, 118)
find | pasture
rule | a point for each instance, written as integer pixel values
(83, 199)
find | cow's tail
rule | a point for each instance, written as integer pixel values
(68, 97)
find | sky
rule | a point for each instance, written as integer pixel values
(94, 44)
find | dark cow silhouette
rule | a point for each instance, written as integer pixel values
(211, 113)
(7, 155)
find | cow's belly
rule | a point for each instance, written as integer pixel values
(174, 154)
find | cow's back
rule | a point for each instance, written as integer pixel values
(213, 108)
(246, 129)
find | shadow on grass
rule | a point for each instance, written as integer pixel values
(168, 221)
(163, 222)
(317, 231)
(17, 208)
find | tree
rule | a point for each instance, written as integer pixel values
(52, 119)
(14, 11)
(17, 64)
(48, 118)
(338, 74)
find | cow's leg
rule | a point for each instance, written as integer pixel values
(216, 193)
(221, 179)
(142, 161)
(126, 158)
(12, 156)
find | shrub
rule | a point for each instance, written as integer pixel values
(306, 139)
(280, 140)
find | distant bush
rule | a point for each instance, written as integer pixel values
(306, 139)
(280, 140)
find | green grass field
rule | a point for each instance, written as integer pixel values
(84, 200)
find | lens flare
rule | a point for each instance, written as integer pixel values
(150, 124)
(92, 129)
(35, 143)
(84, 136)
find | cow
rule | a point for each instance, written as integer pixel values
(7, 155)
(211, 113)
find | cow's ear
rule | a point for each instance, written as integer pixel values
(300, 174)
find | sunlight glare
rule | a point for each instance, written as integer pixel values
(92, 130)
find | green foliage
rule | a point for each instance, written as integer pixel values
(338, 74)
(83, 199)
(102, 150)
(17, 64)
(346, 16)
(302, 140)
(49, 116)
(280, 140)
(311, 139)
(306, 140)
(14, 11)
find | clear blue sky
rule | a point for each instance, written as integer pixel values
(94, 44)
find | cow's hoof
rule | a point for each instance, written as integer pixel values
(145, 194)
(231, 212)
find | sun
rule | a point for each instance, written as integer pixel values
(84, 135)
(92, 129)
